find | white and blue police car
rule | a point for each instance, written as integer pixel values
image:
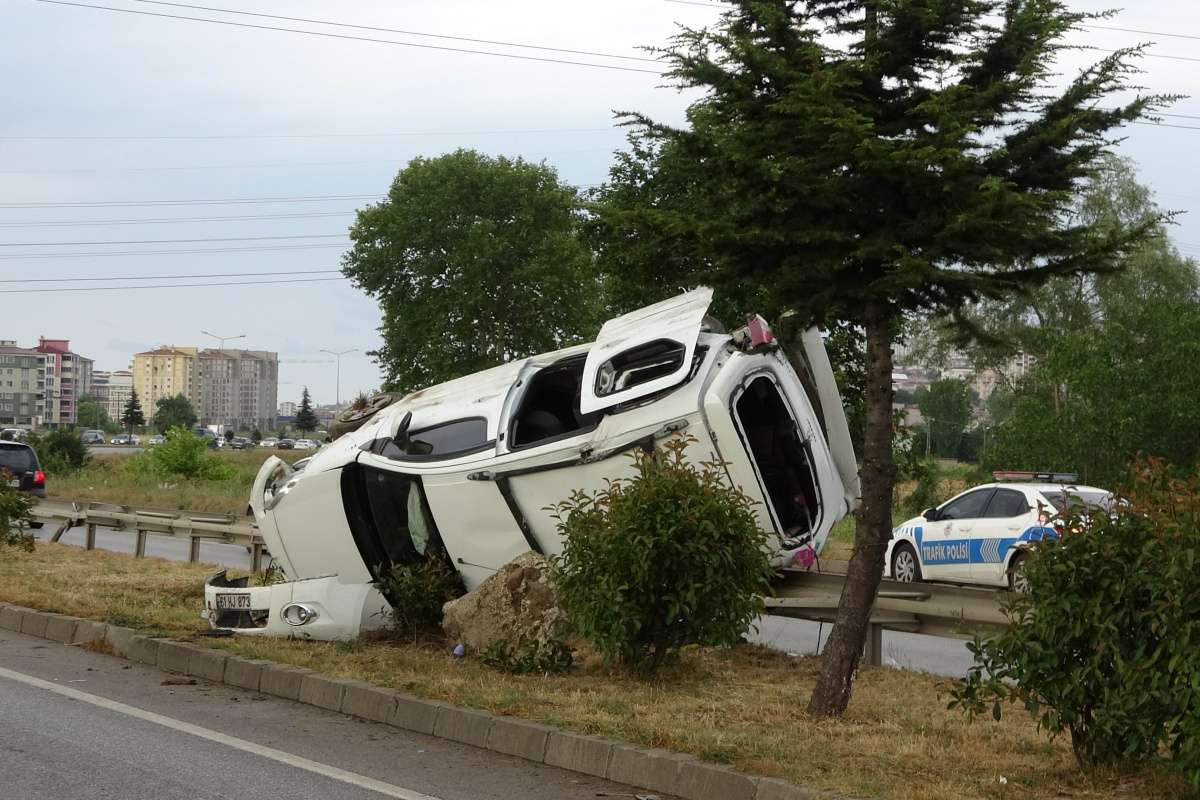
(982, 535)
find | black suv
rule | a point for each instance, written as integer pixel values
(21, 470)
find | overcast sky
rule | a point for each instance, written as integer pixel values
(172, 110)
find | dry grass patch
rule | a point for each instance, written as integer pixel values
(743, 707)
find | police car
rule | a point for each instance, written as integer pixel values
(982, 535)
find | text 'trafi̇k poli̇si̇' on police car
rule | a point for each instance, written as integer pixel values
(982, 535)
(467, 469)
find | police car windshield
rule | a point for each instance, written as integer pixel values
(1074, 499)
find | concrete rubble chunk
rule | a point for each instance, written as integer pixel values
(579, 753)
(60, 628)
(322, 691)
(282, 680)
(517, 604)
(520, 738)
(367, 701)
(415, 714)
(207, 664)
(34, 622)
(463, 725)
(654, 769)
(700, 781)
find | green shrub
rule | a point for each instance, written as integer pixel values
(527, 656)
(184, 455)
(417, 593)
(60, 451)
(928, 475)
(670, 557)
(14, 510)
(1105, 646)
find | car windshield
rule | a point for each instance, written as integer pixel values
(17, 460)
(1080, 500)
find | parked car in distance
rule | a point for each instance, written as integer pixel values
(270, 441)
(121, 439)
(241, 443)
(93, 437)
(157, 438)
(982, 535)
(22, 471)
(13, 435)
(304, 444)
(285, 444)
(135, 439)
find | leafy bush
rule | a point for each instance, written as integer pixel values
(417, 593)
(1106, 644)
(14, 510)
(670, 557)
(927, 474)
(547, 658)
(60, 451)
(184, 455)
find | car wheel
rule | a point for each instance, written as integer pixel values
(36, 525)
(1017, 581)
(905, 566)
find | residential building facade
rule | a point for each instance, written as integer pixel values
(238, 388)
(22, 385)
(68, 376)
(113, 391)
(166, 371)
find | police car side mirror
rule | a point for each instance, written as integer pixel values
(930, 514)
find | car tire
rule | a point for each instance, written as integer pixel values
(1017, 582)
(906, 567)
(36, 525)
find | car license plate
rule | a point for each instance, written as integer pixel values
(233, 601)
(15, 483)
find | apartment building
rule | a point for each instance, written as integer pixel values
(112, 391)
(165, 372)
(68, 376)
(238, 388)
(22, 385)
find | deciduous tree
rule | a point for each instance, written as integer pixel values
(173, 412)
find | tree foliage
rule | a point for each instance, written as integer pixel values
(475, 261)
(173, 412)
(866, 159)
(90, 413)
(183, 455)
(132, 416)
(1106, 644)
(306, 420)
(670, 557)
(946, 405)
(60, 450)
(15, 508)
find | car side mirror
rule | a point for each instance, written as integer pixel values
(931, 514)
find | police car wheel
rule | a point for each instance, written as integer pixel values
(905, 567)
(1017, 581)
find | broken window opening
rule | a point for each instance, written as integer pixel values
(389, 518)
(639, 365)
(781, 458)
(448, 440)
(549, 409)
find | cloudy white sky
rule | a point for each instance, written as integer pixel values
(102, 107)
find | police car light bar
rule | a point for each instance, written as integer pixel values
(1048, 477)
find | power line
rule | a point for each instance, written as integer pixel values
(369, 135)
(1137, 30)
(395, 30)
(178, 241)
(225, 201)
(170, 277)
(355, 38)
(196, 251)
(163, 286)
(168, 220)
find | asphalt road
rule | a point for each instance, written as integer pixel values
(75, 725)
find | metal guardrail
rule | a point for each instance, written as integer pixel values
(195, 526)
(925, 608)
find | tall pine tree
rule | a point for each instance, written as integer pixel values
(131, 416)
(306, 420)
(854, 160)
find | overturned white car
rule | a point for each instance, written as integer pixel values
(469, 467)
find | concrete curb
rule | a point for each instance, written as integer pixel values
(648, 768)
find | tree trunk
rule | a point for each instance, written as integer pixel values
(873, 528)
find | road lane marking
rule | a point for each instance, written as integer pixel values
(344, 776)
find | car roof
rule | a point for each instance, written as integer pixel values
(1045, 488)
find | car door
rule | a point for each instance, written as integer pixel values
(945, 543)
(1004, 520)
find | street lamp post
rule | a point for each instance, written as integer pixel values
(338, 390)
(224, 339)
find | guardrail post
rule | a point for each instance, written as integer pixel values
(58, 533)
(873, 652)
(140, 549)
(194, 550)
(256, 553)
(89, 542)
